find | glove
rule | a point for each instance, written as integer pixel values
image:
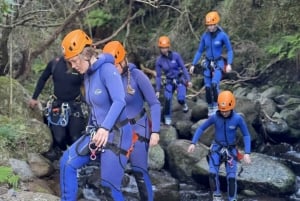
(192, 69)
(157, 94)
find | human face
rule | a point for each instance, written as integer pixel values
(164, 50)
(225, 114)
(212, 27)
(79, 64)
(119, 68)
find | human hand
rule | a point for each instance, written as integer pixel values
(192, 69)
(101, 137)
(228, 68)
(157, 94)
(154, 139)
(191, 148)
(247, 158)
(189, 84)
(32, 103)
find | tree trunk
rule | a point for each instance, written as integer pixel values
(4, 52)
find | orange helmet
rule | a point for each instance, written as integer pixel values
(164, 41)
(74, 42)
(212, 18)
(116, 49)
(226, 101)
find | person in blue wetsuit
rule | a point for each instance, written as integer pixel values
(108, 133)
(138, 91)
(177, 77)
(212, 42)
(223, 148)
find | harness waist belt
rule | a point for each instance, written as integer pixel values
(228, 145)
(114, 148)
(137, 117)
(143, 139)
(120, 124)
(212, 59)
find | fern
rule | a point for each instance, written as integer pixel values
(7, 176)
(285, 47)
(97, 17)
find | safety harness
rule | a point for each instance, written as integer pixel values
(113, 146)
(212, 64)
(62, 111)
(226, 155)
(134, 120)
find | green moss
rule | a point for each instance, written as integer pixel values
(7, 176)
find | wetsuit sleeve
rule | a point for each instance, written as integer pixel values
(246, 135)
(185, 72)
(229, 49)
(202, 128)
(199, 51)
(158, 75)
(42, 80)
(113, 83)
(148, 92)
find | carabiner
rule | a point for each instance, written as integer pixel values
(93, 150)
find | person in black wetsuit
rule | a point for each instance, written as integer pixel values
(66, 111)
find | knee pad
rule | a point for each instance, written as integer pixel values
(215, 92)
(138, 175)
(208, 95)
(181, 102)
(167, 106)
(112, 193)
(212, 181)
(144, 185)
(231, 187)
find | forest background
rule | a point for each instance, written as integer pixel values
(262, 32)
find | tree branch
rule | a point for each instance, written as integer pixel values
(69, 19)
(118, 30)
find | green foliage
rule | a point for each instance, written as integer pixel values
(285, 47)
(5, 6)
(97, 17)
(38, 67)
(8, 132)
(11, 134)
(7, 176)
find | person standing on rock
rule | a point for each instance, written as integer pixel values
(177, 77)
(138, 90)
(66, 111)
(223, 147)
(212, 42)
(108, 137)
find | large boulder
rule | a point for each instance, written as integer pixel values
(264, 175)
(180, 161)
(22, 129)
(14, 100)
